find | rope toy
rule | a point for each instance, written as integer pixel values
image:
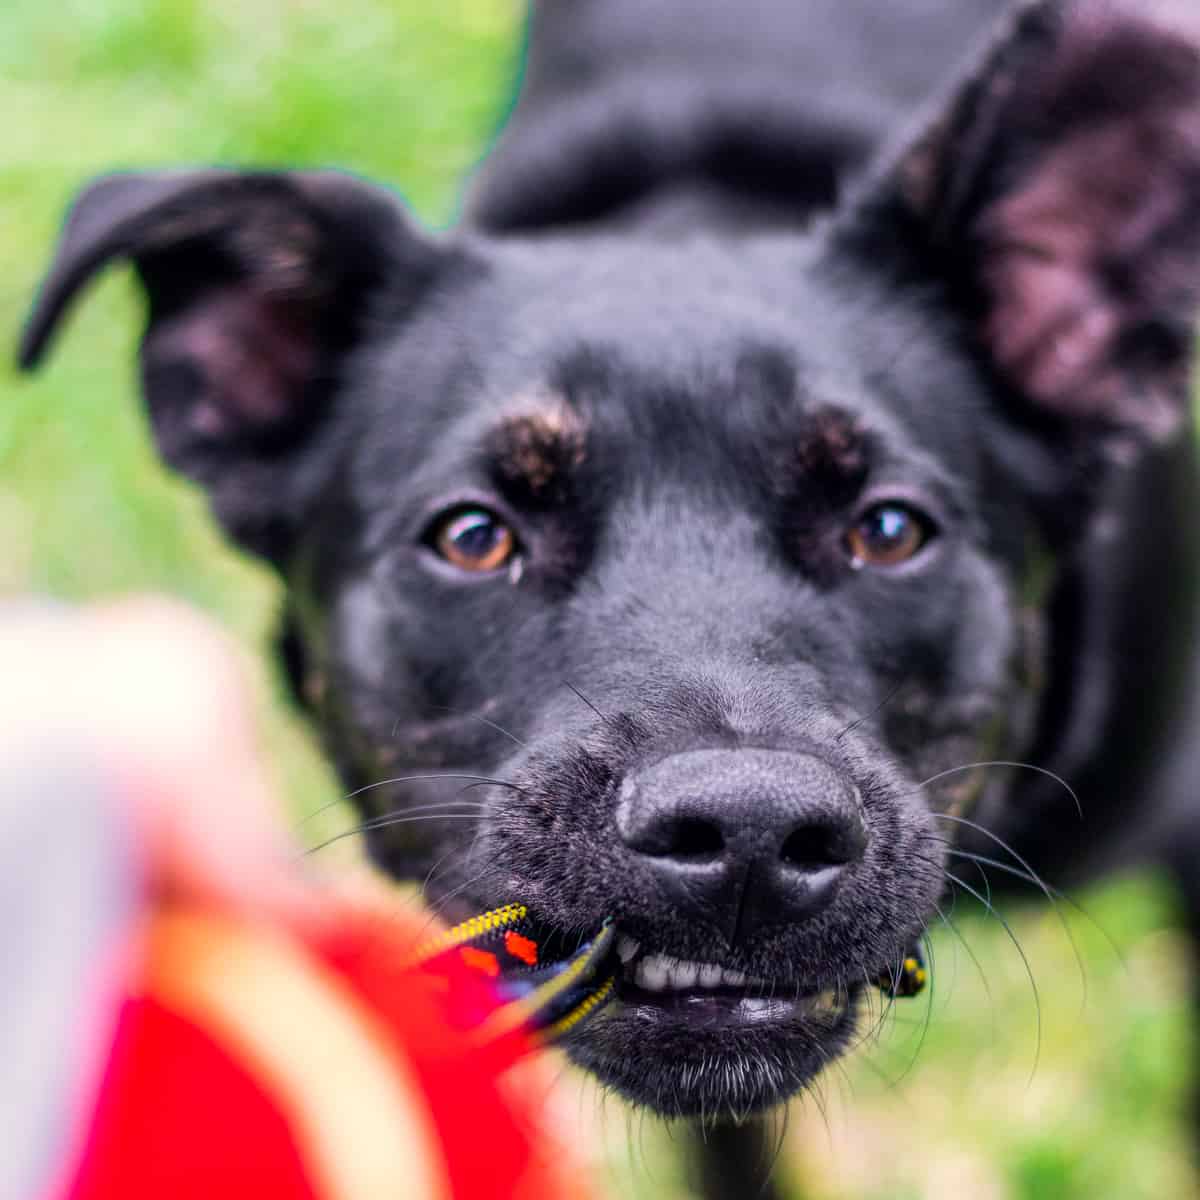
(909, 979)
(544, 998)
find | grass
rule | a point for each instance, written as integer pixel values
(409, 91)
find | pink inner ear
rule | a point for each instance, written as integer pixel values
(254, 353)
(1057, 250)
(1096, 244)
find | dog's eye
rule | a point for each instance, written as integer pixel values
(888, 534)
(473, 539)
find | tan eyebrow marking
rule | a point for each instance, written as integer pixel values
(832, 444)
(540, 442)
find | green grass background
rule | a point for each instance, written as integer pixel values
(409, 91)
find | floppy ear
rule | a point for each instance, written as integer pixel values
(1058, 195)
(258, 284)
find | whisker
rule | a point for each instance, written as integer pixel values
(436, 908)
(1008, 869)
(873, 713)
(1033, 878)
(781, 1117)
(433, 806)
(1062, 897)
(1012, 937)
(928, 1019)
(987, 883)
(948, 848)
(1020, 766)
(316, 812)
(428, 778)
(398, 779)
(474, 716)
(875, 1068)
(431, 875)
(389, 820)
(1057, 895)
(987, 987)
(995, 837)
(480, 830)
(490, 783)
(876, 1024)
(573, 688)
(888, 1012)
(815, 1090)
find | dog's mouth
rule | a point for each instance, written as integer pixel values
(556, 973)
(682, 1036)
(660, 987)
(559, 978)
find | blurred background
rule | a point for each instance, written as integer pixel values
(1062, 1076)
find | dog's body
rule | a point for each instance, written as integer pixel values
(717, 500)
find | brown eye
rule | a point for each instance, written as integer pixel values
(887, 535)
(474, 539)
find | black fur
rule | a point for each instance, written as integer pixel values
(681, 383)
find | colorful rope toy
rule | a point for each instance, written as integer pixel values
(543, 997)
(909, 979)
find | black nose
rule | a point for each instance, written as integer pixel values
(740, 839)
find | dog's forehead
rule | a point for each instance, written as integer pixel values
(631, 350)
(648, 333)
(668, 308)
(702, 312)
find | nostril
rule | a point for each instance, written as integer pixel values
(688, 838)
(697, 839)
(818, 846)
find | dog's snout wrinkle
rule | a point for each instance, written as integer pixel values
(741, 839)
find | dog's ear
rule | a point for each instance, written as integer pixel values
(257, 284)
(1058, 197)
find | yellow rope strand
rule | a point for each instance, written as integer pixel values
(467, 931)
(583, 1009)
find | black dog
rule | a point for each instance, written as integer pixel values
(717, 500)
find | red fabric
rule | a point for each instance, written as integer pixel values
(178, 1118)
(490, 1142)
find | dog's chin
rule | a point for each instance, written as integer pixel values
(714, 1051)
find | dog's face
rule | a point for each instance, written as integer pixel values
(660, 581)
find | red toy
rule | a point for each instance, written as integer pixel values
(278, 1064)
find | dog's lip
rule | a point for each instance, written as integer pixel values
(728, 1010)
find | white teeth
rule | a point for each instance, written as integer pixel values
(684, 975)
(653, 973)
(662, 973)
(658, 972)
